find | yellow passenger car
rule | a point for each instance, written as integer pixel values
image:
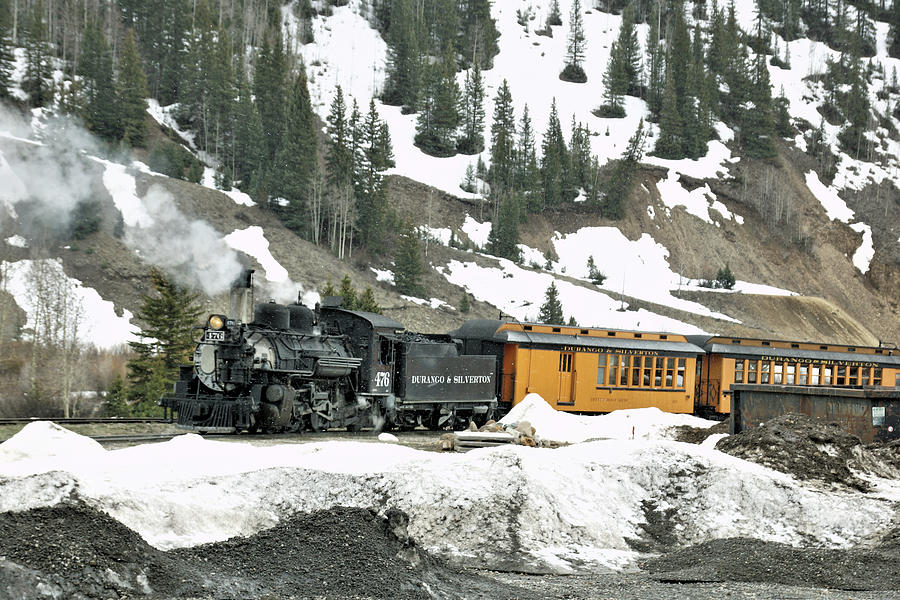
(772, 362)
(586, 370)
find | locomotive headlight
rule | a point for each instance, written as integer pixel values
(216, 322)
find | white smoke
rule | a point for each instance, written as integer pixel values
(189, 250)
(49, 165)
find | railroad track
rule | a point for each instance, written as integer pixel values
(82, 421)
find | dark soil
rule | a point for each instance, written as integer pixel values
(741, 559)
(810, 449)
(77, 552)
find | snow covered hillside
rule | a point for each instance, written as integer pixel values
(643, 267)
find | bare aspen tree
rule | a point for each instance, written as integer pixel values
(57, 316)
(316, 198)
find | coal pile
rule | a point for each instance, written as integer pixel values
(749, 560)
(808, 449)
(697, 435)
(73, 551)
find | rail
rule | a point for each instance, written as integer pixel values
(81, 421)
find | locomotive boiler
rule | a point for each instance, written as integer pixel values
(289, 368)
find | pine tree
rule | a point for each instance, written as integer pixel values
(168, 314)
(503, 239)
(617, 187)
(295, 162)
(554, 17)
(270, 90)
(554, 162)
(464, 304)
(439, 118)
(656, 80)
(471, 140)
(372, 139)
(348, 294)
(37, 82)
(670, 143)
(131, 91)
(408, 266)
(527, 174)
(502, 140)
(478, 38)
(97, 87)
(339, 155)
(551, 310)
(852, 136)
(629, 52)
(575, 49)
(367, 302)
(7, 59)
(404, 58)
(757, 123)
(615, 83)
(249, 148)
(894, 31)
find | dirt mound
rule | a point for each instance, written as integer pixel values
(808, 449)
(697, 435)
(75, 551)
(749, 560)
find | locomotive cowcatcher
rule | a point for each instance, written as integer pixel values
(288, 368)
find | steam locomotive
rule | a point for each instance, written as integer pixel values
(289, 368)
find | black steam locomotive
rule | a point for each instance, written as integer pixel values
(288, 368)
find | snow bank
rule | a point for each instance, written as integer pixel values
(557, 426)
(553, 509)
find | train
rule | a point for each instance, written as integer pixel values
(276, 368)
(288, 368)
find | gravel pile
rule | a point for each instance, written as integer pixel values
(810, 449)
(76, 552)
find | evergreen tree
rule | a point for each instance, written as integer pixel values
(614, 84)
(296, 160)
(670, 143)
(168, 314)
(551, 310)
(656, 79)
(554, 16)
(464, 304)
(502, 140)
(856, 109)
(629, 52)
(408, 268)
(339, 155)
(270, 90)
(367, 302)
(471, 139)
(404, 58)
(782, 117)
(116, 399)
(7, 59)
(249, 148)
(348, 294)
(131, 90)
(37, 81)
(576, 47)
(554, 162)
(503, 239)
(527, 174)
(478, 38)
(758, 124)
(580, 154)
(618, 187)
(162, 40)
(439, 119)
(97, 87)
(374, 158)
(894, 31)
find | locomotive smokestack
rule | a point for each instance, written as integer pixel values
(241, 301)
